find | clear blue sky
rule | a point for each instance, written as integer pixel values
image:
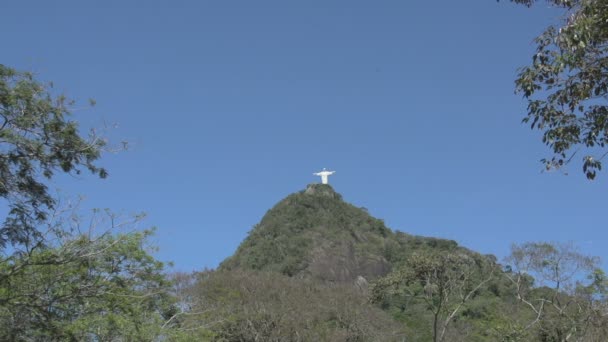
(232, 105)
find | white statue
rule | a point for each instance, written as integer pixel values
(324, 174)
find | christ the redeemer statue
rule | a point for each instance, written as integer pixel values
(324, 174)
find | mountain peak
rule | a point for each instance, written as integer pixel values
(317, 189)
(314, 233)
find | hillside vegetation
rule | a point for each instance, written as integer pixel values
(317, 268)
(314, 233)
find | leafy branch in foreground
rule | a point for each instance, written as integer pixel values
(567, 85)
(37, 140)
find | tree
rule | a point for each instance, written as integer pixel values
(85, 285)
(242, 305)
(568, 301)
(445, 282)
(37, 140)
(60, 281)
(566, 85)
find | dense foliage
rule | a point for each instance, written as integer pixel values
(444, 282)
(267, 306)
(84, 286)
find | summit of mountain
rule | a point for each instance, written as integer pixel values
(315, 233)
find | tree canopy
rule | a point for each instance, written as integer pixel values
(568, 301)
(85, 286)
(59, 280)
(37, 140)
(566, 85)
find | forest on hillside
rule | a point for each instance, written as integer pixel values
(315, 268)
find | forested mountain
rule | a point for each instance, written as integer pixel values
(314, 233)
(317, 268)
